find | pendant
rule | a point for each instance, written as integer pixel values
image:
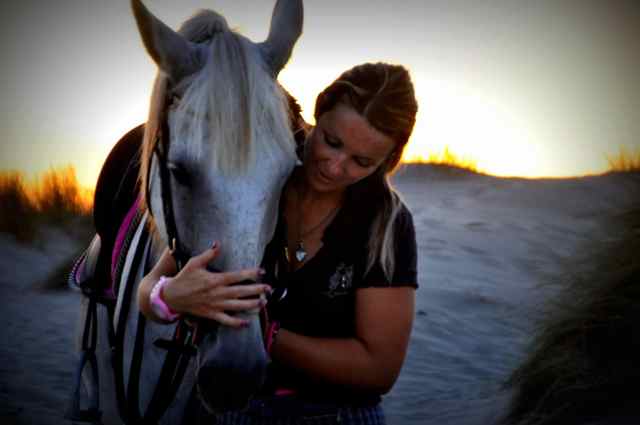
(300, 252)
(286, 254)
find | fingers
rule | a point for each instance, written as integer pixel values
(228, 320)
(229, 278)
(242, 305)
(205, 257)
(234, 298)
(217, 296)
(243, 291)
(219, 310)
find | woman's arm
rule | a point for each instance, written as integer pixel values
(199, 292)
(165, 266)
(369, 362)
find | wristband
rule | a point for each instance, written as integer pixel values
(158, 305)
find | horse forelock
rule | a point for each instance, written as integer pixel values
(203, 25)
(236, 105)
(232, 102)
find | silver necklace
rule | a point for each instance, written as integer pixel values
(300, 252)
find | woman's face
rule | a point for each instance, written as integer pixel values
(342, 149)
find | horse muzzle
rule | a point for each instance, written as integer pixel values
(231, 368)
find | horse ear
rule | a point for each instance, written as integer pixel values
(173, 54)
(286, 27)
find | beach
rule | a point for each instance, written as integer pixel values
(492, 253)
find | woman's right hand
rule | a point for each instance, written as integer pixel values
(199, 292)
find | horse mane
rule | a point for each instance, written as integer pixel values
(233, 101)
(583, 364)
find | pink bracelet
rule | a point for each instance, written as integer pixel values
(158, 305)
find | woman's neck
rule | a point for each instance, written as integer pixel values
(307, 196)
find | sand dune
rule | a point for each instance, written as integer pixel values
(488, 249)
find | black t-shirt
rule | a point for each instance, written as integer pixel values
(320, 296)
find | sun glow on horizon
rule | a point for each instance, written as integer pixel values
(451, 117)
(498, 86)
(475, 128)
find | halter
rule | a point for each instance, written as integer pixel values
(161, 145)
(186, 337)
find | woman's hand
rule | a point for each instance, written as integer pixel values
(199, 292)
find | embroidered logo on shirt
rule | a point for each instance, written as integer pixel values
(340, 282)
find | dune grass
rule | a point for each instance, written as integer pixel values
(626, 161)
(583, 362)
(54, 198)
(446, 157)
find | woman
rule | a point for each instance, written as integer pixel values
(342, 262)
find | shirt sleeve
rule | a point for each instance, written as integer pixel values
(405, 253)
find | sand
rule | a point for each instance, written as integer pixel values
(492, 251)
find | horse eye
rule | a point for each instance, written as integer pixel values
(179, 173)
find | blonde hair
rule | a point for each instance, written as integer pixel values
(384, 95)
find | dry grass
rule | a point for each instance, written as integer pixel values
(447, 157)
(625, 161)
(583, 362)
(55, 198)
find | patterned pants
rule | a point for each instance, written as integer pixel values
(290, 411)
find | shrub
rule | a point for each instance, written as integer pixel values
(55, 198)
(58, 195)
(19, 213)
(625, 161)
(447, 157)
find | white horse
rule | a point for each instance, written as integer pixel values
(230, 152)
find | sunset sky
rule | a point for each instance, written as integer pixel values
(526, 88)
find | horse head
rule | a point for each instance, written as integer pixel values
(230, 151)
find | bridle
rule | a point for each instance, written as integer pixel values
(188, 331)
(161, 145)
(186, 336)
